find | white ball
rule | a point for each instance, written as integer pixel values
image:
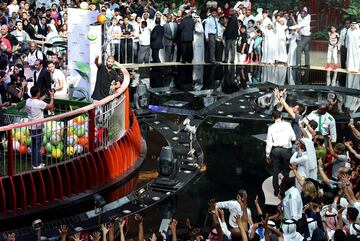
(84, 6)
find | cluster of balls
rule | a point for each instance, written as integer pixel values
(54, 138)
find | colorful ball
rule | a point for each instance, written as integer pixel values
(16, 145)
(70, 151)
(101, 18)
(55, 139)
(83, 141)
(28, 141)
(49, 147)
(56, 153)
(80, 131)
(84, 6)
(60, 146)
(23, 149)
(78, 148)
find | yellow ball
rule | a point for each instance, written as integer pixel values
(18, 135)
(56, 153)
(70, 151)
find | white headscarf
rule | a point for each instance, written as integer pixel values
(312, 225)
(290, 233)
(310, 150)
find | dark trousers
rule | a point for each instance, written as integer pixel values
(155, 55)
(169, 53)
(343, 56)
(280, 159)
(219, 49)
(36, 145)
(303, 46)
(126, 50)
(230, 50)
(211, 45)
(186, 52)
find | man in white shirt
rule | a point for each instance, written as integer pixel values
(343, 47)
(13, 7)
(292, 203)
(234, 208)
(35, 107)
(144, 42)
(326, 122)
(33, 54)
(303, 20)
(58, 82)
(278, 147)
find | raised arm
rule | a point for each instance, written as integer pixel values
(63, 230)
(325, 179)
(355, 131)
(279, 95)
(257, 206)
(348, 145)
(139, 219)
(172, 227)
(298, 177)
(121, 228)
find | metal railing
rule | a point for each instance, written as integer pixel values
(63, 137)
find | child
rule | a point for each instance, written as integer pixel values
(250, 48)
(292, 37)
(257, 46)
(251, 28)
(242, 43)
(333, 47)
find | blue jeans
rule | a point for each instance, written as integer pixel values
(36, 145)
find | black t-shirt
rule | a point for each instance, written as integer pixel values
(127, 31)
(104, 78)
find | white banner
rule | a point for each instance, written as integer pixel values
(79, 45)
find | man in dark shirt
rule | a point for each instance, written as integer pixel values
(230, 35)
(106, 79)
(127, 31)
(187, 28)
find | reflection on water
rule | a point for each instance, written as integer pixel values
(203, 85)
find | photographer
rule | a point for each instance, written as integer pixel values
(35, 107)
(17, 89)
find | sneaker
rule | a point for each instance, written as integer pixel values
(335, 67)
(36, 167)
(327, 66)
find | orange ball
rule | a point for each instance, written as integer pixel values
(101, 18)
(23, 149)
(83, 141)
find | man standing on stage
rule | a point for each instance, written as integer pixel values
(187, 28)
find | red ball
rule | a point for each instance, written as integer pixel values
(23, 149)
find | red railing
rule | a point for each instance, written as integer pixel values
(66, 136)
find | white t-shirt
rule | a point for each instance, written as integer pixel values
(13, 9)
(32, 57)
(56, 77)
(35, 109)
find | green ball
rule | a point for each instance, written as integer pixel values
(60, 146)
(49, 147)
(28, 141)
(80, 131)
(48, 134)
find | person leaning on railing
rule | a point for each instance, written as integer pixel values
(35, 107)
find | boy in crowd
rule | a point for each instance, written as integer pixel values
(334, 38)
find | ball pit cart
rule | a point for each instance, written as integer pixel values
(81, 139)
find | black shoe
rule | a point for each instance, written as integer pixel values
(231, 62)
(295, 66)
(224, 62)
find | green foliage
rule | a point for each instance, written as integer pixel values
(83, 70)
(353, 11)
(320, 35)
